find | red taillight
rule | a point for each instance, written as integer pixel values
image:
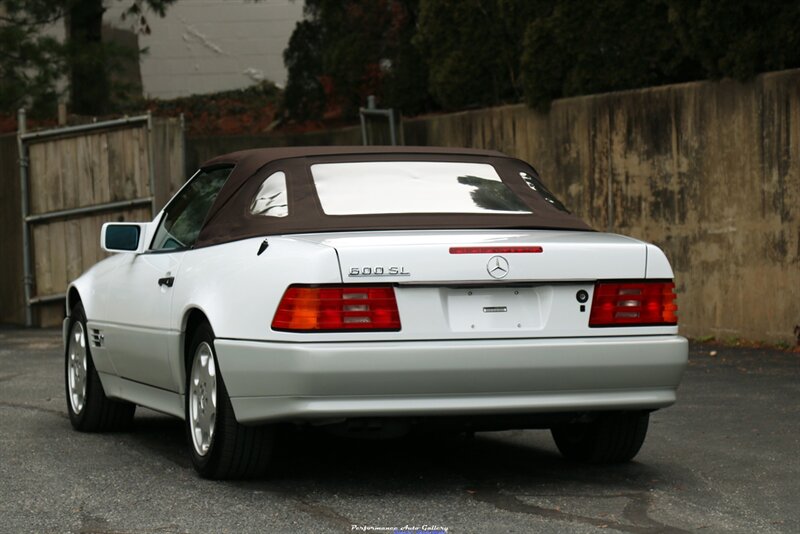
(495, 250)
(332, 308)
(633, 303)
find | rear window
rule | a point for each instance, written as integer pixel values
(376, 187)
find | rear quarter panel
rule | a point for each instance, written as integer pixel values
(238, 290)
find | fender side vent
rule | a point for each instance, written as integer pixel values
(97, 337)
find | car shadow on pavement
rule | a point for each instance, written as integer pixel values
(315, 456)
(514, 471)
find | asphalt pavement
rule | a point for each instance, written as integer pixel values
(723, 459)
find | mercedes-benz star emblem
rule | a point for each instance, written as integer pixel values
(497, 267)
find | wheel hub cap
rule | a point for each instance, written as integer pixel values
(203, 399)
(76, 367)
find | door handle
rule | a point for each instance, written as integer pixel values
(166, 281)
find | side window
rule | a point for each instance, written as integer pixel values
(270, 201)
(184, 216)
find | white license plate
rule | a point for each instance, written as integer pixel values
(494, 309)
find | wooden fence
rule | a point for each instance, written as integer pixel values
(76, 179)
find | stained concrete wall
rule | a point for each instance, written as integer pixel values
(709, 171)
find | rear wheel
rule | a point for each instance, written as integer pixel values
(221, 448)
(611, 438)
(89, 408)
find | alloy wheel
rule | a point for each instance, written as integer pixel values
(203, 398)
(77, 367)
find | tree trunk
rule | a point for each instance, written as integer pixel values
(89, 77)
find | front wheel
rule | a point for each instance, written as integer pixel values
(611, 438)
(221, 448)
(88, 407)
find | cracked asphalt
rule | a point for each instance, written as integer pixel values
(723, 459)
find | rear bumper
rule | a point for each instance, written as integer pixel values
(292, 381)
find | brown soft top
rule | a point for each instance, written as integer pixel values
(229, 218)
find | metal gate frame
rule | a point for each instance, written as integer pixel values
(24, 139)
(372, 111)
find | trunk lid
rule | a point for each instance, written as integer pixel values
(424, 257)
(446, 296)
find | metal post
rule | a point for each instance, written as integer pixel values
(26, 231)
(62, 112)
(372, 110)
(392, 135)
(402, 129)
(363, 129)
(370, 107)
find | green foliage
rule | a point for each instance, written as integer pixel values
(405, 82)
(738, 38)
(592, 47)
(472, 49)
(30, 63)
(573, 47)
(90, 59)
(346, 50)
(304, 96)
(467, 53)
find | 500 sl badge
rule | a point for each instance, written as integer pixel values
(378, 271)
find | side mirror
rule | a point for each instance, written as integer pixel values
(123, 237)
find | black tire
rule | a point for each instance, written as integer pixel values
(234, 451)
(611, 438)
(97, 413)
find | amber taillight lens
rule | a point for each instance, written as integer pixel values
(337, 308)
(634, 303)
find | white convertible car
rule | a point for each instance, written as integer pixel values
(371, 290)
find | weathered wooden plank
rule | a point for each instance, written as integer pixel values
(168, 164)
(159, 145)
(11, 289)
(120, 177)
(57, 258)
(81, 187)
(71, 190)
(74, 247)
(36, 161)
(101, 170)
(52, 179)
(142, 154)
(50, 315)
(37, 178)
(176, 150)
(90, 245)
(41, 268)
(139, 161)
